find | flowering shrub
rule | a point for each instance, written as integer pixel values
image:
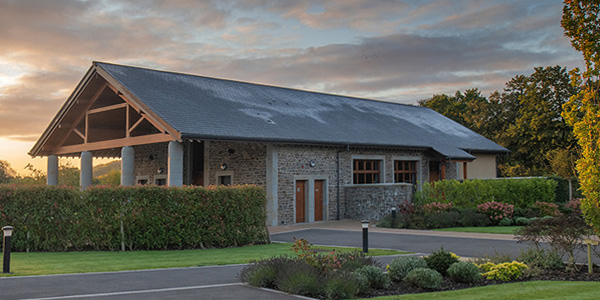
(496, 210)
(436, 207)
(406, 208)
(505, 271)
(547, 209)
(575, 206)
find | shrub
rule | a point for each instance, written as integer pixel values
(441, 260)
(263, 273)
(469, 217)
(543, 259)
(436, 207)
(401, 266)
(375, 277)
(51, 218)
(521, 193)
(505, 271)
(298, 277)
(522, 221)
(464, 272)
(424, 278)
(344, 285)
(547, 209)
(496, 210)
(356, 259)
(506, 222)
(574, 206)
(563, 233)
(444, 219)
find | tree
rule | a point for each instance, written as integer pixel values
(533, 124)
(526, 118)
(581, 24)
(6, 172)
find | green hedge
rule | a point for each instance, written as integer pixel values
(521, 193)
(49, 218)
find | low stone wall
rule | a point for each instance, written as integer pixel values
(373, 201)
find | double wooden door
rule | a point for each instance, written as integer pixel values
(302, 200)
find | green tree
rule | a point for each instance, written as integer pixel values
(470, 109)
(6, 172)
(533, 124)
(581, 23)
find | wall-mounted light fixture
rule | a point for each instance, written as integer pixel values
(223, 166)
(160, 170)
(313, 163)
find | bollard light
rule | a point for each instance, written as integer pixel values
(6, 246)
(365, 228)
(7, 230)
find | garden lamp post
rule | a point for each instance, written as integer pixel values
(365, 228)
(6, 246)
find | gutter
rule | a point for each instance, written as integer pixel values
(338, 180)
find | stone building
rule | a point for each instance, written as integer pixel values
(318, 156)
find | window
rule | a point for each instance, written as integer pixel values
(405, 171)
(367, 171)
(224, 180)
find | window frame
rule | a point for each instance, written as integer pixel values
(371, 167)
(412, 172)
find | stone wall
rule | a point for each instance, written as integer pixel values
(294, 164)
(246, 162)
(373, 201)
(148, 159)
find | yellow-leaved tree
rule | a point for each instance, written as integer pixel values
(581, 23)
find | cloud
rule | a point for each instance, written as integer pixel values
(392, 50)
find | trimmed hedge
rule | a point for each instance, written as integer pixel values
(521, 193)
(50, 218)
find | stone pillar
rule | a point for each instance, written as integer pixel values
(52, 178)
(86, 172)
(127, 166)
(175, 164)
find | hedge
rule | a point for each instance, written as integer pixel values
(50, 218)
(521, 193)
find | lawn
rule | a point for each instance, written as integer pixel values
(572, 290)
(43, 263)
(489, 229)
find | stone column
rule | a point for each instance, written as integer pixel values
(175, 164)
(127, 166)
(86, 171)
(52, 178)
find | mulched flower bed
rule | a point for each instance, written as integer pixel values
(400, 288)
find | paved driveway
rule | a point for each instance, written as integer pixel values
(425, 242)
(216, 282)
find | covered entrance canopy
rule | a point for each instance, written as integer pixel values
(100, 119)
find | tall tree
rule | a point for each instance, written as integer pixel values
(6, 172)
(581, 22)
(526, 118)
(534, 124)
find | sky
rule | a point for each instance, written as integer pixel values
(400, 51)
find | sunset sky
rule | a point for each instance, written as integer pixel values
(399, 51)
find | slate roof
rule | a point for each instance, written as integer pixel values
(208, 108)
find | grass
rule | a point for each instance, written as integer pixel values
(572, 290)
(489, 229)
(44, 263)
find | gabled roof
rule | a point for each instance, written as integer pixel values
(198, 107)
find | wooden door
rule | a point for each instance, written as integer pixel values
(300, 201)
(434, 171)
(319, 184)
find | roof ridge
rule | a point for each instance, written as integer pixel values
(262, 84)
